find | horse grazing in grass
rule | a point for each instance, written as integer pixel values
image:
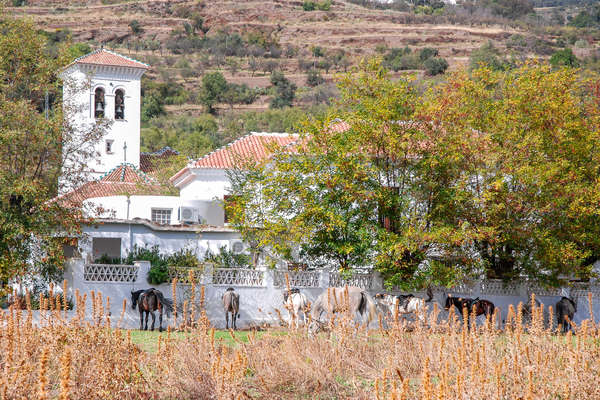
(404, 304)
(482, 307)
(339, 299)
(296, 303)
(148, 301)
(231, 304)
(565, 311)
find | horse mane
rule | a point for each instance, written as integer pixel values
(230, 289)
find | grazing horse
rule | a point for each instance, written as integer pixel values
(231, 304)
(148, 301)
(482, 307)
(565, 309)
(296, 303)
(339, 299)
(404, 304)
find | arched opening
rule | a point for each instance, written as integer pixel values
(99, 103)
(119, 104)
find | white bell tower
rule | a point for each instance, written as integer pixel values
(112, 91)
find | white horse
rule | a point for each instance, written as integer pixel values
(340, 299)
(404, 304)
(297, 304)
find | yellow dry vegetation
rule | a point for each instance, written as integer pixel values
(78, 359)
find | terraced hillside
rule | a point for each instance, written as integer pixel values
(346, 26)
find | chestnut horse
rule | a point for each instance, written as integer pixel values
(148, 301)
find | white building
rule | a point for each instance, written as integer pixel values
(131, 208)
(103, 84)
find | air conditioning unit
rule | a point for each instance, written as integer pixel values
(238, 246)
(189, 215)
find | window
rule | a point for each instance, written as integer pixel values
(106, 248)
(109, 144)
(119, 104)
(99, 104)
(161, 216)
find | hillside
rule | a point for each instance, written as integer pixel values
(247, 40)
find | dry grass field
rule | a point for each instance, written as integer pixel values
(77, 359)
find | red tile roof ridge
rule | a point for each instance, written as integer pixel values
(197, 162)
(128, 61)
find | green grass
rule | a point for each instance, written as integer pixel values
(148, 340)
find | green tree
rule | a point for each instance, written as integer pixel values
(345, 198)
(191, 136)
(564, 58)
(435, 66)
(285, 90)
(37, 145)
(136, 27)
(314, 78)
(214, 86)
(488, 55)
(536, 187)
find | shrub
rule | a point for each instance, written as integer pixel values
(435, 66)
(314, 78)
(136, 27)
(226, 258)
(488, 55)
(427, 53)
(309, 6)
(564, 58)
(285, 90)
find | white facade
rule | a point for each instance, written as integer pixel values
(127, 215)
(122, 141)
(181, 210)
(125, 234)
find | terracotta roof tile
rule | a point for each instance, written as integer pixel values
(121, 180)
(254, 147)
(107, 57)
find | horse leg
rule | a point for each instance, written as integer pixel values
(160, 315)
(234, 317)
(153, 319)
(141, 320)
(226, 319)
(146, 323)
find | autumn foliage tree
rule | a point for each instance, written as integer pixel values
(492, 173)
(37, 145)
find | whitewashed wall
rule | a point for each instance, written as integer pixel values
(259, 302)
(168, 240)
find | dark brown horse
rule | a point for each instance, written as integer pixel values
(482, 307)
(148, 301)
(565, 311)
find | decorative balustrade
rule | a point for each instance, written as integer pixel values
(363, 280)
(182, 274)
(497, 287)
(298, 279)
(110, 273)
(238, 277)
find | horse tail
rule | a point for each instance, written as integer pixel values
(368, 306)
(166, 303)
(429, 295)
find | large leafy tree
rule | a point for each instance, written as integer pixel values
(536, 192)
(37, 145)
(375, 189)
(492, 173)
